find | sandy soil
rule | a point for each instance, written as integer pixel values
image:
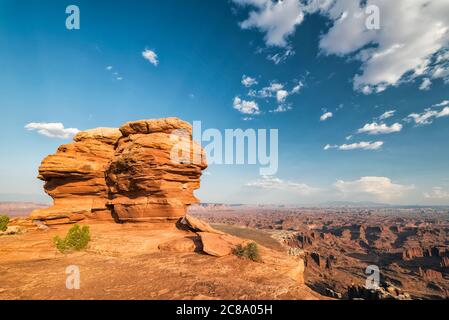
(124, 262)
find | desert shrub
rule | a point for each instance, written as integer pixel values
(4, 220)
(250, 251)
(76, 239)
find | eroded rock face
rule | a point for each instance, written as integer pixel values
(126, 174)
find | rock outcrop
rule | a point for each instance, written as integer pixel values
(430, 275)
(146, 170)
(219, 245)
(412, 253)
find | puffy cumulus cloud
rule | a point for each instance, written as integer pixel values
(387, 115)
(271, 182)
(151, 56)
(437, 193)
(247, 81)
(246, 107)
(429, 114)
(281, 95)
(380, 188)
(410, 34)
(277, 19)
(267, 92)
(326, 116)
(52, 130)
(279, 92)
(363, 145)
(412, 40)
(376, 128)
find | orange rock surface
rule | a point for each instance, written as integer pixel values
(146, 170)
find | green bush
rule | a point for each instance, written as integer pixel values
(250, 251)
(4, 220)
(76, 239)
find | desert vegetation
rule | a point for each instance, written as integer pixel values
(249, 251)
(4, 220)
(76, 239)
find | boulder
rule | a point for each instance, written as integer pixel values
(197, 225)
(146, 170)
(219, 245)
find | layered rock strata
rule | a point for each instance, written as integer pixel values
(146, 170)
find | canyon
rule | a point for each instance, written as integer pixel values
(408, 245)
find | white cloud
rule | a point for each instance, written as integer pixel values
(282, 108)
(330, 146)
(412, 40)
(363, 145)
(267, 92)
(109, 68)
(246, 107)
(271, 182)
(411, 33)
(440, 72)
(297, 88)
(326, 116)
(437, 193)
(425, 85)
(277, 19)
(280, 57)
(387, 114)
(277, 91)
(248, 81)
(429, 115)
(281, 95)
(375, 128)
(52, 130)
(151, 56)
(441, 104)
(381, 188)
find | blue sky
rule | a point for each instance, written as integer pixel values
(204, 50)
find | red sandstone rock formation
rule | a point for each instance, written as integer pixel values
(74, 177)
(411, 253)
(430, 274)
(127, 174)
(444, 262)
(144, 181)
